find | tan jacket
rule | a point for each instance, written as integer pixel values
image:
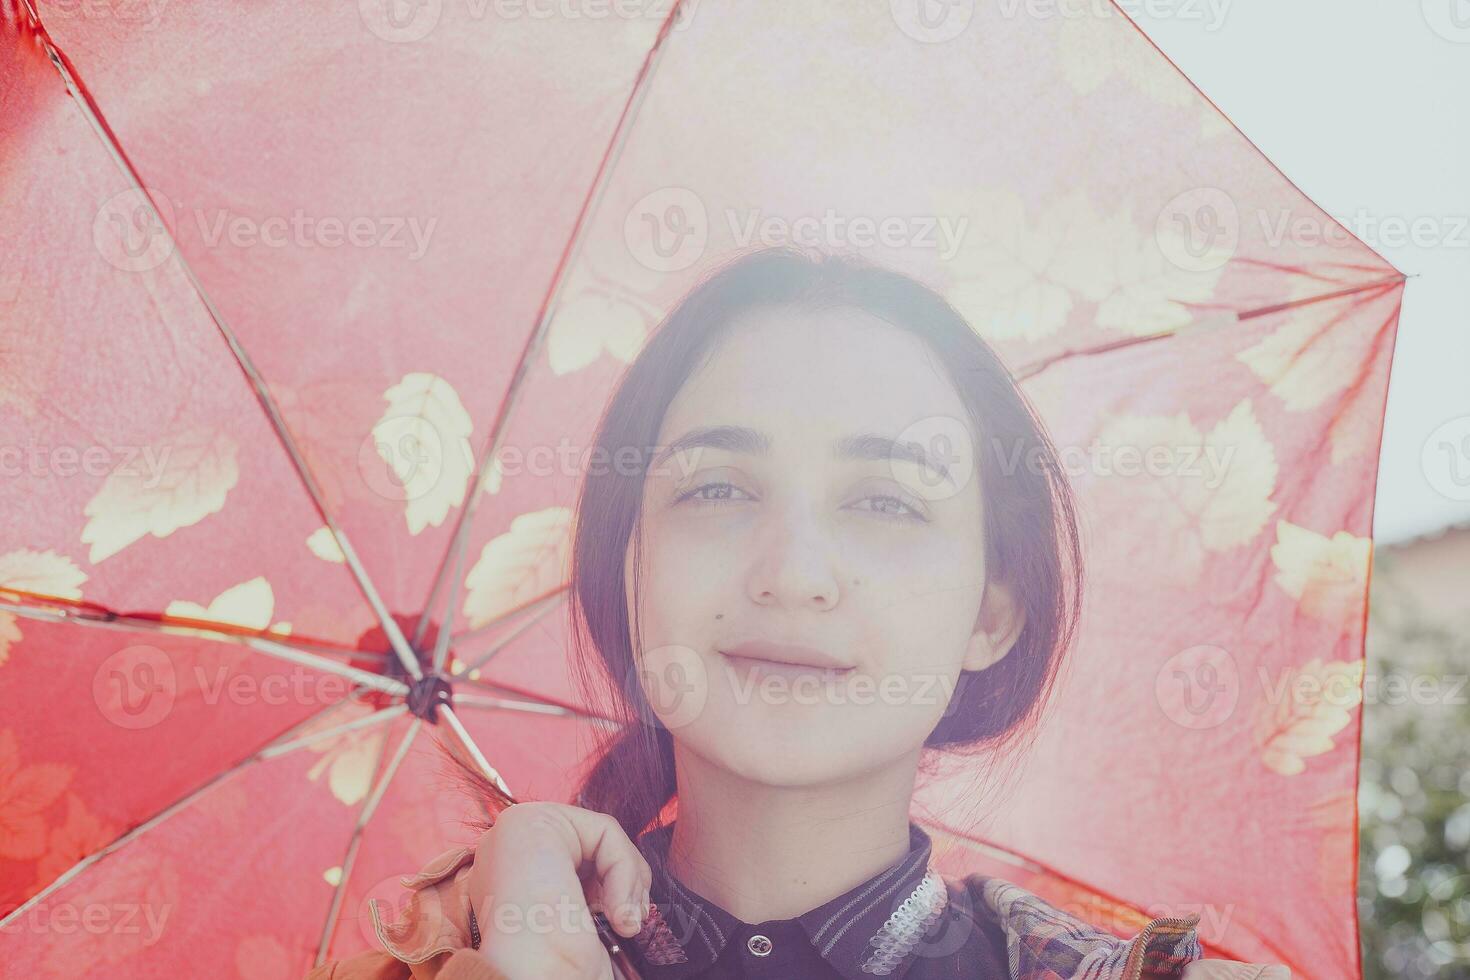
(431, 941)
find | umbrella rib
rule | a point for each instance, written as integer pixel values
(367, 721)
(170, 626)
(158, 818)
(1377, 284)
(464, 520)
(502, 690)
(396, 639)
(369, 807)
(491, 703)
(552, 596)
(92, 113)
(274, 648)
(441, 641)
(461, 733)
(482, 703)
(516, 631)
(379, 682)
(510, 704)
(1030, 370)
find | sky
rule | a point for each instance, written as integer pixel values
(1365, 105)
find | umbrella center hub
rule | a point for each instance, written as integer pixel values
(426, 694)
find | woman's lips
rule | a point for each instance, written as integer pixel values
(769, 668)
(787, 653)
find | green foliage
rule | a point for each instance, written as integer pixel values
(1414, 793)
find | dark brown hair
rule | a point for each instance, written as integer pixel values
(1030, 523)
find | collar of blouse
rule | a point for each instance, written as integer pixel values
(868, 930)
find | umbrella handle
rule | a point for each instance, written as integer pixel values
(623, 968)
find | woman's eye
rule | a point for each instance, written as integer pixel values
(887, 505)
(723, 493)
(894, 507)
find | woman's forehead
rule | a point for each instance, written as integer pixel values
(816, 375)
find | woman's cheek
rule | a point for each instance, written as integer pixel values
(922, 578)
(687, 581)
(927, 616)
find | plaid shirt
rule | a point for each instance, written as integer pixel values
(905, 922)
(1046, 943)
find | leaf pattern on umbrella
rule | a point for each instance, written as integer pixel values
(1310, 358)
(527, 561)
(324, 545)
(194, 473)
(1304, 709)
(1019, 277)
(1203, 509)
(250, 604)
(594, 322)
(25, 791)
(1327, 576)
(349, 761)
(424, 438)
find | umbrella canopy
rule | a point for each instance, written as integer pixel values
(310, 312)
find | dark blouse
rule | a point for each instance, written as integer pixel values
(906, 921)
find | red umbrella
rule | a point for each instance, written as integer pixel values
(316, 306)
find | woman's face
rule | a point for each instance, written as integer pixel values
(793, 530)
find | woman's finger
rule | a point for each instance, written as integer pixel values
(620, 872)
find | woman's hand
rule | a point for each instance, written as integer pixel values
(538, 875)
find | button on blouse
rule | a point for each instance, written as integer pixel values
(906, 921)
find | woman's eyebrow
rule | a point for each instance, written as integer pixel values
(750, 442)
(732, 438)
(870, 445)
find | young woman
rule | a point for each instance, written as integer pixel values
(818, 580)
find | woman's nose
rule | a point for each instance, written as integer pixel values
(795, 561)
